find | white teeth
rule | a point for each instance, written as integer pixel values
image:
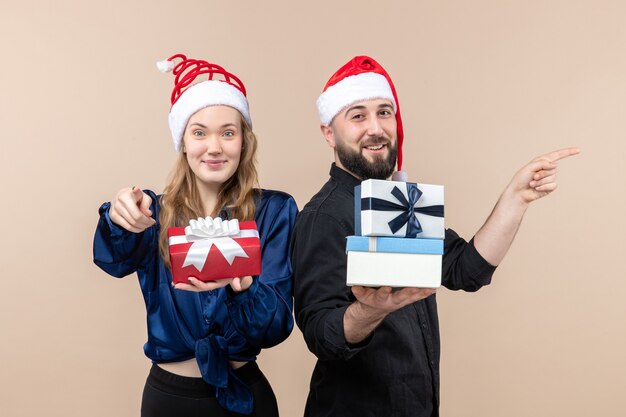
(374, 148)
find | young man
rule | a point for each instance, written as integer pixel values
(378, 349)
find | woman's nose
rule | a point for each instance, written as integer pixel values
(214, 146)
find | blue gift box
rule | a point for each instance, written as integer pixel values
(394, 244)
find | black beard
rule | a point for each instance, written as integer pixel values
(355, 162)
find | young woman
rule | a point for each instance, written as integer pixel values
(203, 337)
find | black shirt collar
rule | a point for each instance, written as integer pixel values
(343, 177)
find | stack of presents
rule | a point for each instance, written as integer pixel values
(399, 229)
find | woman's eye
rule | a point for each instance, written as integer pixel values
(229, 133)
(197, 133)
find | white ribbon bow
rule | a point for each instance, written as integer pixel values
(204, 233)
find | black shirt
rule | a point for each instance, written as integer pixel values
(395, 371)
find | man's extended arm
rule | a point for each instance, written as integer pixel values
(533, 181)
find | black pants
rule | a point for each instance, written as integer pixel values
(167, 394)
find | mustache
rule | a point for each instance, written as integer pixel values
(376, 141)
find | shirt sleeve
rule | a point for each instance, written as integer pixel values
(463, 267)
(119, 252)
(320, 291)
(263, 314)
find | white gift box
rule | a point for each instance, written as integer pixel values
(400, 209)
(377, 269)
(395, 262)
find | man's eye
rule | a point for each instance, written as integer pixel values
(357, 117)
(385, 113)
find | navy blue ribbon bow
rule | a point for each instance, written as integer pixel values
(407, 207)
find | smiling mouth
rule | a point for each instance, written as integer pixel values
(214, 163)
(376, 147)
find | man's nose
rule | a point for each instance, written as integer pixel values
(374, 128)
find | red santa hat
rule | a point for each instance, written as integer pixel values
(362, 78)
(220, 88)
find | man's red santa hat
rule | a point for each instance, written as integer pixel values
(362, 78)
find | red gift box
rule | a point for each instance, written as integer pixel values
(213, 258)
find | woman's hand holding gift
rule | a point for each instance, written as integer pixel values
(237, 284)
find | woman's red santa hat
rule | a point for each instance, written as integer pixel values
(220, 88)
(362, 78)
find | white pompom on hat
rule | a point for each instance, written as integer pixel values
(190, 96)
(361, 78)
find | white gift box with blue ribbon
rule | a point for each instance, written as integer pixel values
(395, 262)
(400, 209)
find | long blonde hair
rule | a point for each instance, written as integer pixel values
(181, 201)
